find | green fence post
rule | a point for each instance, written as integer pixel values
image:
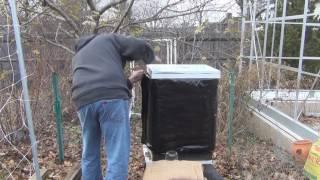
(58, 114)
(231, 109)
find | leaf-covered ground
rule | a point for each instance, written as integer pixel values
(256, 159)
(251, 158)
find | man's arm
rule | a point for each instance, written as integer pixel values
(135, 49)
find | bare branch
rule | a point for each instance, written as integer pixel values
(91, 5)
(156, 16)
(69, 20)
(110, 5)
(34, 17)
(57, 32)
(260, 12)
(98, 14)
(68, 33)
(150, 19)
(57, 17)
(192, 8)
(123, 17)
(165, 7)
(60, 46)
(111, 24)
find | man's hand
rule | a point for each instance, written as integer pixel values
(136, 76)
(157, 59)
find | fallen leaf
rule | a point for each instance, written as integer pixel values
(247, 175)
(67, 163)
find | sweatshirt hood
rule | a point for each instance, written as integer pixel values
(83, 41)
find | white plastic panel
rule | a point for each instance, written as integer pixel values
(182, 71)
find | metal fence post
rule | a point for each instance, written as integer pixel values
(231, 109)
(303, 35)
(58, 114)
(24, 82)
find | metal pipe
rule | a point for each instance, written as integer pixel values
(175, 51)
(310, 58)
(284, 12)
(252, 32)
(272, 43)
(168, 52)
(294, 70)
(303, 35)
(171, 54)
(243, 26)
(171, 51)
(253, 16)
(26, 99)
(287, 23)
(294, 17)
(265, 45)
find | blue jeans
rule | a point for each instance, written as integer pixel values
(108, 119)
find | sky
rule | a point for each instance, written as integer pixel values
(222, 7)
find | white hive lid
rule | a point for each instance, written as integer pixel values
(182, 71)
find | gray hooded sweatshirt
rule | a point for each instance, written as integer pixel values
(98, 64)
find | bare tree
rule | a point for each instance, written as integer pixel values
(72, 19)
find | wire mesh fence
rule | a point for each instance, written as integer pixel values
(16, 157)
(13, 130)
